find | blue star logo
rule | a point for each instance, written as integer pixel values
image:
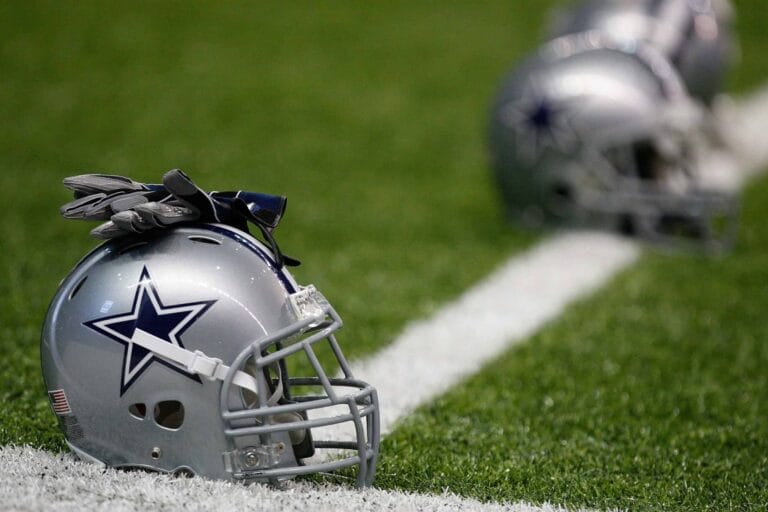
(149, 315)
(540, 117)
(539, 124)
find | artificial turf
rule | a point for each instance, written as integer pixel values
(370, 118)
(649, 396)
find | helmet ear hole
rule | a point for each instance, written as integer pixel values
(561, 199)
(169, 414)
(627, 225)
(138, 410)
(562, 192)
(647, 161)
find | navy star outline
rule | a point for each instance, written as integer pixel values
(539, 124)
(149, 314)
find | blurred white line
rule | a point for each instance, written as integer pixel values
(744, 128)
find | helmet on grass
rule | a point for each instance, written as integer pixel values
(592, 132)
(192, 350)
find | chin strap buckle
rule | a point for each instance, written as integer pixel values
(203, 365)
(196, 362)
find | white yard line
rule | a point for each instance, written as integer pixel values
(35, 480)
(744, 126)
(428, 358)
(508, 306)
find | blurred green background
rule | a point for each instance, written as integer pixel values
(370, 117)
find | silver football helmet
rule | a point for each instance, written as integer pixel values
(695, 35)
(190, 350)
(589, 132)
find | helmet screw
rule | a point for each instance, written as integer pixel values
(251, 458)
(156, 453)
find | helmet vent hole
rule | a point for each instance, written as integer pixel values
(204, 239)
(138, 410)
(169, 414)
(131, 247)
(562, 192)
(77, 287)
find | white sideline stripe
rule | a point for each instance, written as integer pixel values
(744, 126)
(743, 153)
(505, 308)
(511, 304)
(35, 480)
(434, 354)
(539, 284)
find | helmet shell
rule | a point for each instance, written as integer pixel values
(209, 288)
(595, 133)
(695, 35)
(558, 113)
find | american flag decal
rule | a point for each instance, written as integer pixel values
(59, 402)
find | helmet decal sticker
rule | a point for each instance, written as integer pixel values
(539, 124)
(150, 315)
(59, 402)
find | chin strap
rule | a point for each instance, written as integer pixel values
(198, 363)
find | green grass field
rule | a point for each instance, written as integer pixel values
(370, 118)
(651, 395)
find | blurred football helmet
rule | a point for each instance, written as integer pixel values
(179, 351)
(695, 35)
(590, 133)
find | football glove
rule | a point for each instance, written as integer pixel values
(129, 207)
